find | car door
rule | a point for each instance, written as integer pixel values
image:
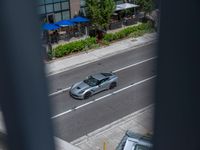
(103, 84)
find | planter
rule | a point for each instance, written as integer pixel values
(115, 25)
(130, 22)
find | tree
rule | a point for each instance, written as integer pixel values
(145, 5)
(100, 11)
(107, 8)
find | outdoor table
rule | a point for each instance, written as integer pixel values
(62, 34)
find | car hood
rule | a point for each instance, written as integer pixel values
(80, 86)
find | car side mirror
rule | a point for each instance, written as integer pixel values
(87, 77)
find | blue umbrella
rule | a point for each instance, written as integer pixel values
(65, 23)
(49, 27)
(79, 19)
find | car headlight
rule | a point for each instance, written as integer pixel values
(81, 92)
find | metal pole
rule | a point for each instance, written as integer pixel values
(23, 88)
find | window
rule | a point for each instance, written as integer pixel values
(119, 1)
(82, 3)
(141, 147)
(57, 7)
(48, 1)
(40, 2)
(58, 17)
(56, 0)
(65, 15)
(49, 8)
(41, 10)
(65, 5)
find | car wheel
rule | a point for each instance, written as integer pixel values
(87, 95)
(113, 85)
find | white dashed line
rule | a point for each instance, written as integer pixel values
(132, 65)
(60, 91)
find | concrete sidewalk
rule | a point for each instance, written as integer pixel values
(75, 60)
(140, 122)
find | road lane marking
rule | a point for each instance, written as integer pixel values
(60, 91)
(66, 112)
(105, 96)
(132, 65)
(115, 71)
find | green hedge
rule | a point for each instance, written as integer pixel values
(91, 42)
(76, 46)
(134, 31)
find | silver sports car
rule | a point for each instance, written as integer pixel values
(93, 84)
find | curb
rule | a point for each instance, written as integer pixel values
(63, 145)
(99, 58)
(111, 125)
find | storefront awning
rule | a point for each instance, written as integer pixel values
(125, 6)
(49, 27)
(65, 23)
(79, 19)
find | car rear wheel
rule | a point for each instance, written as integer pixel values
(87, 95)
(113, 85)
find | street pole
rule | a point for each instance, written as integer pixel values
(104, 145)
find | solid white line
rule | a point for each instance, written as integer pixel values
(100, 98)
(132, 65)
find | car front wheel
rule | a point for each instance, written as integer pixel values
(87, 95)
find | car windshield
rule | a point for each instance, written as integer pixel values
(141, 147)
(91, 81)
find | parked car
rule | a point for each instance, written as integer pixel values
(93, 84)
(135, 141)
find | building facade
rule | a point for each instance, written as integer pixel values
(51, 11)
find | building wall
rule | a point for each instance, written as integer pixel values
(53, 10)
(74, 7)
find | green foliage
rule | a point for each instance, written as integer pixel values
(108, 37)
(91, 42)
(100, 12)
(93, 11)
(134, 31)
(76, 46)
(145, 5)
(107, 7)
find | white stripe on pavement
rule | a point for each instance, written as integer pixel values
(100, 98)
(132, 65)
(60, 91)
(66, 112)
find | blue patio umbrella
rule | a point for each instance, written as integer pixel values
(79, 19)
(65, 23)
(49, 27)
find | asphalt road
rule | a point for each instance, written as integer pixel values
(136, 70)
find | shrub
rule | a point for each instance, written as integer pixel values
(76, 46)
(108, 37)
(91, 42)
(104, 42)
(134, 31)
